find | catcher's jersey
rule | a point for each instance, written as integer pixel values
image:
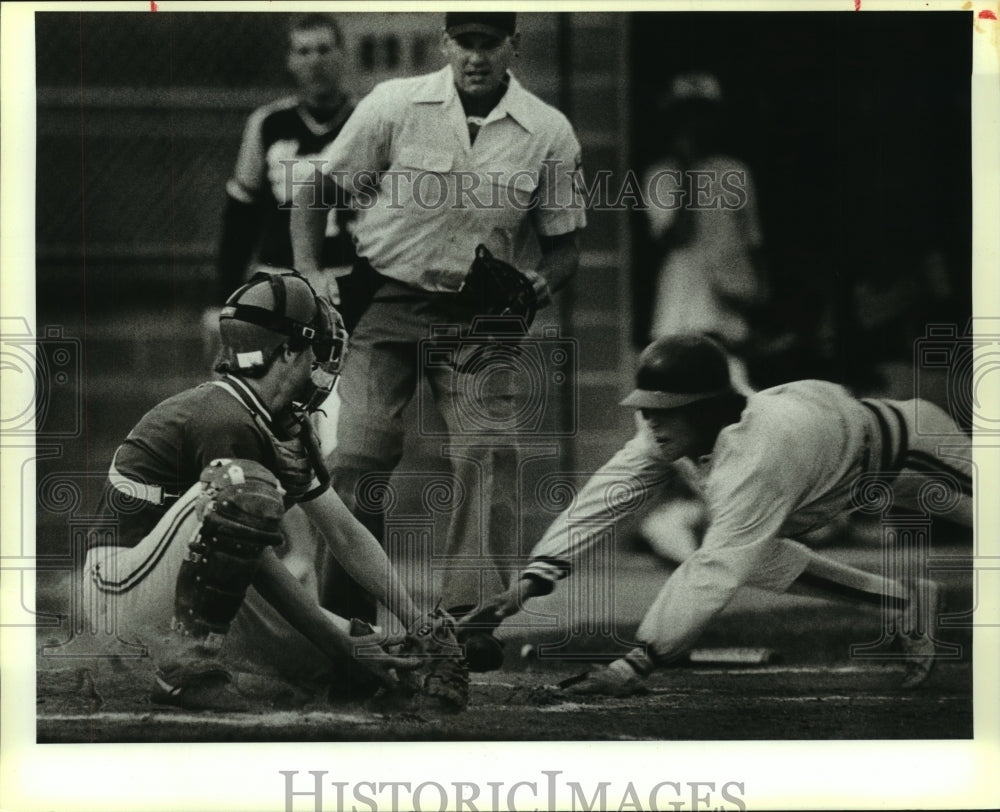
(428, 196)
(279, 136)
(171, 444)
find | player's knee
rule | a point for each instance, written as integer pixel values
(240, 507)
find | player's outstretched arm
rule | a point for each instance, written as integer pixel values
(279, 588)
(615, 494)
(360, 554)
(494, 610)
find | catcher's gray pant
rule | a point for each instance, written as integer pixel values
(129, 593)
(478, 387)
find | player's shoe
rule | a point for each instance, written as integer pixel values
(917, 622)
(618, 679)
(207, 688)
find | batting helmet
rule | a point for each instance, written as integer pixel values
(679, 369)
(272, 310)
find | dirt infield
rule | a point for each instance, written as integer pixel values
(107, 702)
(811, 689)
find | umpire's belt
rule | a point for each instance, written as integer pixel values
(154, 494)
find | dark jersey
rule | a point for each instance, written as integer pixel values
(277, 137)
(171, 444)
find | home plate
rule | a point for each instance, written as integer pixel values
(731, 656)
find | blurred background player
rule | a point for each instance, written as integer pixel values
(704, 225)
(771, 466)
(198, 489)
(278, 135)
(470, 120)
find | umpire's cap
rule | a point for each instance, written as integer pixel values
(677, 370)
(493, 23)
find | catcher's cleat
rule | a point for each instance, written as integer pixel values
(618, 679)
(207, 689)
(917, 622)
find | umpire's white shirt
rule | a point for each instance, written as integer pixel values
(427, 195)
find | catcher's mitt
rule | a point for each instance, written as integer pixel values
(496, 288)
(442, 681)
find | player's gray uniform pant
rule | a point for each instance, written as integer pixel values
(131, 591)
(387, 356)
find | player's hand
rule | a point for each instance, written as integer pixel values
(493, 611)
(541, 287)
(372, 656)
(324, 282)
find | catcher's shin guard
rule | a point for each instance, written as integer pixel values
(241, 508)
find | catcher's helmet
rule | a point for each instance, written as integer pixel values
(679, 369)
(272, 310)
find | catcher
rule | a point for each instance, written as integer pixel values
(771, 466)
(438, 165)
(197, 491)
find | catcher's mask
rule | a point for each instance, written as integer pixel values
(277, 309)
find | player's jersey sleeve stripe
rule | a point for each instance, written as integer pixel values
(903, 442)
(893, 443)
(548, 569)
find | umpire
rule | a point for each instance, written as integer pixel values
(438, 164)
